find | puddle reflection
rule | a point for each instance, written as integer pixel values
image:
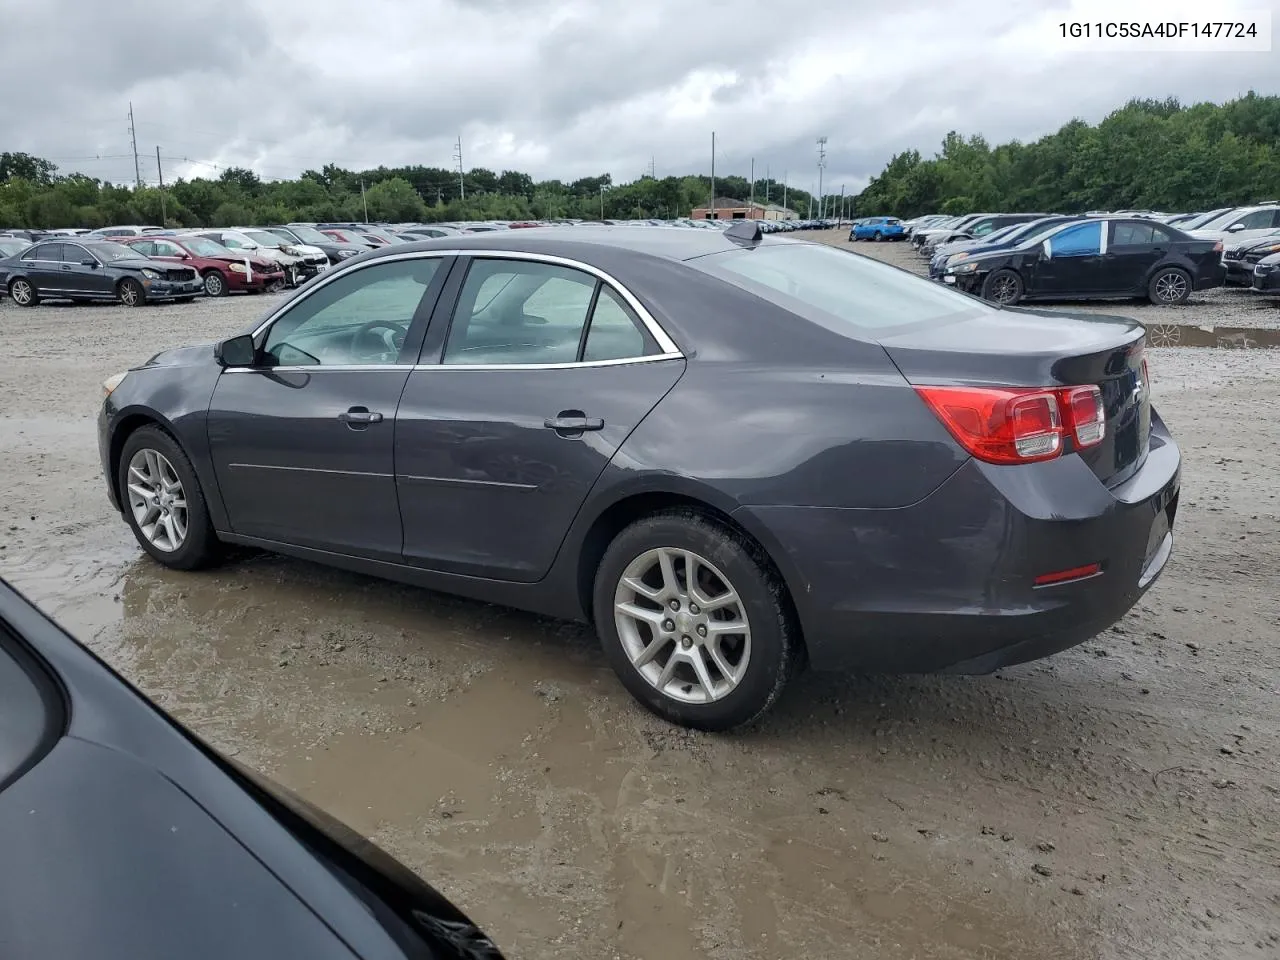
(1226, 338)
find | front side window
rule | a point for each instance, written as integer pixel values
(1082, 240)
(1257, 220)
(234, 242)
(838, 289)
(361, 317)
(163, 248)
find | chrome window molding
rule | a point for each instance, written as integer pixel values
(416, 367)
(668, 346)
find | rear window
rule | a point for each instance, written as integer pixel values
(837, 288)
(29, 715)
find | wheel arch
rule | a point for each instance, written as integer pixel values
(612, 518)
(127, 423)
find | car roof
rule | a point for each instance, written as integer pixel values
(669, 243)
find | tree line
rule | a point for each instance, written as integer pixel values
(1149, 154)
(34, 194)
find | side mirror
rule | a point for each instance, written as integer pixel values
(1234, 227)
(89, 262)
(236, 352)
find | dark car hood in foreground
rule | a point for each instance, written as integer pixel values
(130, 839)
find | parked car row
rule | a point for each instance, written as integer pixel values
(1012, 257)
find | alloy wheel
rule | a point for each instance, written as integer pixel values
(1171, 287)
(1004, 290)
(682, 625)
(213, 284)
(1164, 335)
(157, 500)
(128, 294)
(22, 292)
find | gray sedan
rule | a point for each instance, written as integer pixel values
(734, 454)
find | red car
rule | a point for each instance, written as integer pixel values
(351, 236)
(223, 269)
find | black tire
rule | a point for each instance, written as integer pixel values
(200, 547)
(215, 284)
(774, 651)
(184, 300)
(130, 292)
(1003, 287)
(1169, 286)
(878, 237)
(26, 295)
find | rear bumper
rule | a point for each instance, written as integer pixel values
(947, 585)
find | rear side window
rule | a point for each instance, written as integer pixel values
(30, 715)
(1133, 234)
(838, 289)
(1082, 240)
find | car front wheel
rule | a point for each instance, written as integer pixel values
(163, 503)
(1003, 287)
(694, 621)
(131, 293)
(215, 284)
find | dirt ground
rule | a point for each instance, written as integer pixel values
(1118, 800)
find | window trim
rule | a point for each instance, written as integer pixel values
(668, 346)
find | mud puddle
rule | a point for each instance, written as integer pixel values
(1227, 338)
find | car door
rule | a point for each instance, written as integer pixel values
(84, 273)
(1072, 263)
(303, 441)
(45, 269)
(1133, 248)
(528, 386)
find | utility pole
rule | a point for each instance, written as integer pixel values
(364, 202)
(766, 186)
(653, 168)
(133, 136)
(822, 162)
(462, 184)
(840, 223)
(160, 173)
(753, 181)
(784, 188)
(601, 199)
(712, 214)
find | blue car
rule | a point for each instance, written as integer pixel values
(878, 228)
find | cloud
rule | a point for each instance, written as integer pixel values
(569, 88)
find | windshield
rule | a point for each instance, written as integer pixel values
(837, 288)
(1204, 219)
(265, 238)
(309, 235)
(113, 251)
(203, 247)
(1218, 221)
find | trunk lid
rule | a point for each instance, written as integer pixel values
(1037, 348)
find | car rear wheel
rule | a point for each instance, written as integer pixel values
(23, 293)
(131, 293)
(694, 621)
(1169, 286)
(215, 284)
(1003, 287)
(878, 237)
(163, 503)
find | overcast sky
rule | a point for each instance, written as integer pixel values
(570, 88)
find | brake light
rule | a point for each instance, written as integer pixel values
(1217, 247)
(1006, 425)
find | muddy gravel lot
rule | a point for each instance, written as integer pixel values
(1118, 800)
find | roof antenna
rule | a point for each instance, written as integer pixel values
(745, 232)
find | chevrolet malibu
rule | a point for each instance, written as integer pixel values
(733, 454)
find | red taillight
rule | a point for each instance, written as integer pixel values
(1018, 425)
(1217, 247)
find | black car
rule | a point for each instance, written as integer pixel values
(1239, 261)
(335, 250)
(1100, 258)
(1266, 274)
(125, 837)
(732, 453)
(94, 270)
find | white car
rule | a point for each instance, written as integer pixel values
(314, 260)
(1240, 224)
(240, 241)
